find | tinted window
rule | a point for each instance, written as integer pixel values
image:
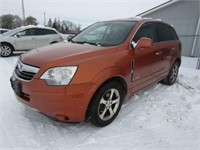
(45, 32)
(165, 33)
(146, 30)
(174, 35)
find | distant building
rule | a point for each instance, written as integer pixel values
(184, 15)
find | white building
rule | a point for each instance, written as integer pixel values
(184, 15)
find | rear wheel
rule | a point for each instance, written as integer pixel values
(106, 104)
(172, 76)
(6, 50)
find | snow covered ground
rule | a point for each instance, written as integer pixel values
(158, 118)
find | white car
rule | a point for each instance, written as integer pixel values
(26, 38)
(3, 30)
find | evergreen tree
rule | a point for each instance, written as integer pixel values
(55, 24)
(58, 25)
(49, 24)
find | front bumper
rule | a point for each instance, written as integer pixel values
(65, 103)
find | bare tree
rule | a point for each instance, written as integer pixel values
(7, 21)
(17, 21)
(31, 21)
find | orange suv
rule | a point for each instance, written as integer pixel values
(89, 77)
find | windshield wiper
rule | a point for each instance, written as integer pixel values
(85, 42)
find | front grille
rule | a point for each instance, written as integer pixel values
(25, 72)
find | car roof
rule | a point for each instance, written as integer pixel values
(33, 26)
(135, 19)
(139, 19)
(4, 29)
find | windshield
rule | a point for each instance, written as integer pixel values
(12, 32)
(105, 33)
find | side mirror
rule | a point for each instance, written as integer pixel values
(18, 35)
(144, 42)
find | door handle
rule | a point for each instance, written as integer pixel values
(173, 48)
(158, 53)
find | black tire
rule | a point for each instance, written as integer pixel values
(108, 99)
(173, 74)
(6, 50)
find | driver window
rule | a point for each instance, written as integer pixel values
(146, 30)
(27, 32)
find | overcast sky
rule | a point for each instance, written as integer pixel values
(84, 12)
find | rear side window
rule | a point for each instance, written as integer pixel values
(165, 33)
(146, 30)
(173, 33)
(45, 32)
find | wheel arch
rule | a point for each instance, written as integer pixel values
(179, 61)
(117, 79)
(13, 48)
(54, 42)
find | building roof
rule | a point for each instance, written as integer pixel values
(157, 7)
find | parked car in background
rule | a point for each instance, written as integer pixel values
(67, 37)
(26, 38)
(90, 77)
(3, 30)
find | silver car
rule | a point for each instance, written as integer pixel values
(3, 30)
(26, 38)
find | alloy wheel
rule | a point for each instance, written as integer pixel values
(174, 73)
(109, 104)
(5, 50)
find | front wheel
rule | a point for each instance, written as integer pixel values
(106, 104)
(6, 50)
(172, 76)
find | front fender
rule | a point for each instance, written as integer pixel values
(108, 73)
(99, 79)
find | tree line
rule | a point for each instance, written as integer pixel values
(64, 26)
(9, 21)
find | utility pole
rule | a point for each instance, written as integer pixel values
(23, 12)
(44, 19)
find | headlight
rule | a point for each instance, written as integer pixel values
(59, 75)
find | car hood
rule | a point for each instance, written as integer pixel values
(2, 37)
(64, 54)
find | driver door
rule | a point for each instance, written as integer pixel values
(141, 65)
(25, 40)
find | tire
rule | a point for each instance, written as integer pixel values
(173, 74)
(106, 104)
(6, 50)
